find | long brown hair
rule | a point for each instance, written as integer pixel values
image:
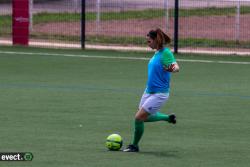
(160, 37)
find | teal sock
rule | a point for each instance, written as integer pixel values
(157, 117)
(138, 132)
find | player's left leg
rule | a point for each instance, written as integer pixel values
(161, 117)
(153, 104)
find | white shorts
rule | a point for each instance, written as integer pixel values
(152, 103)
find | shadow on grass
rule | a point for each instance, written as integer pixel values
(154, 153)
(168, 153)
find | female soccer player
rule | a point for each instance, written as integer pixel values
(160, 67)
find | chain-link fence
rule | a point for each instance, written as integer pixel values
(202, 24)
(223, 24)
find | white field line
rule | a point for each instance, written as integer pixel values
(125, 48)
(217, 52)
(120, 57)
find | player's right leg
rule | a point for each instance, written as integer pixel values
(140, 117)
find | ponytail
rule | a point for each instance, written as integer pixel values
(160, 37)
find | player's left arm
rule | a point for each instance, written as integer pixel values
(169, 62)
(174, 67)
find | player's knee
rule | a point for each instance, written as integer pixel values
(141, 115)
(139, 118)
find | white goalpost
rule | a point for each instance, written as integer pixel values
(31, 15)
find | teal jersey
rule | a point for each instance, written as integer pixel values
(158, 78)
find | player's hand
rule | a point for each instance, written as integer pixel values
(172, 68)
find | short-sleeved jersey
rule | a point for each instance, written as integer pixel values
(158, 78)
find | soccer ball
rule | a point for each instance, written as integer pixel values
(114, 142)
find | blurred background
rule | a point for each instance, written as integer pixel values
(203, 24)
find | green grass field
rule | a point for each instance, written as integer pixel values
(44, 100)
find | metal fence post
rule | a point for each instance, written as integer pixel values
(176, 25)
(31, 14)
(237, 23)
(166, 8)
(83, 22)
(98, 5)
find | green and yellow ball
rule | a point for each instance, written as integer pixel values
(114, 142)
